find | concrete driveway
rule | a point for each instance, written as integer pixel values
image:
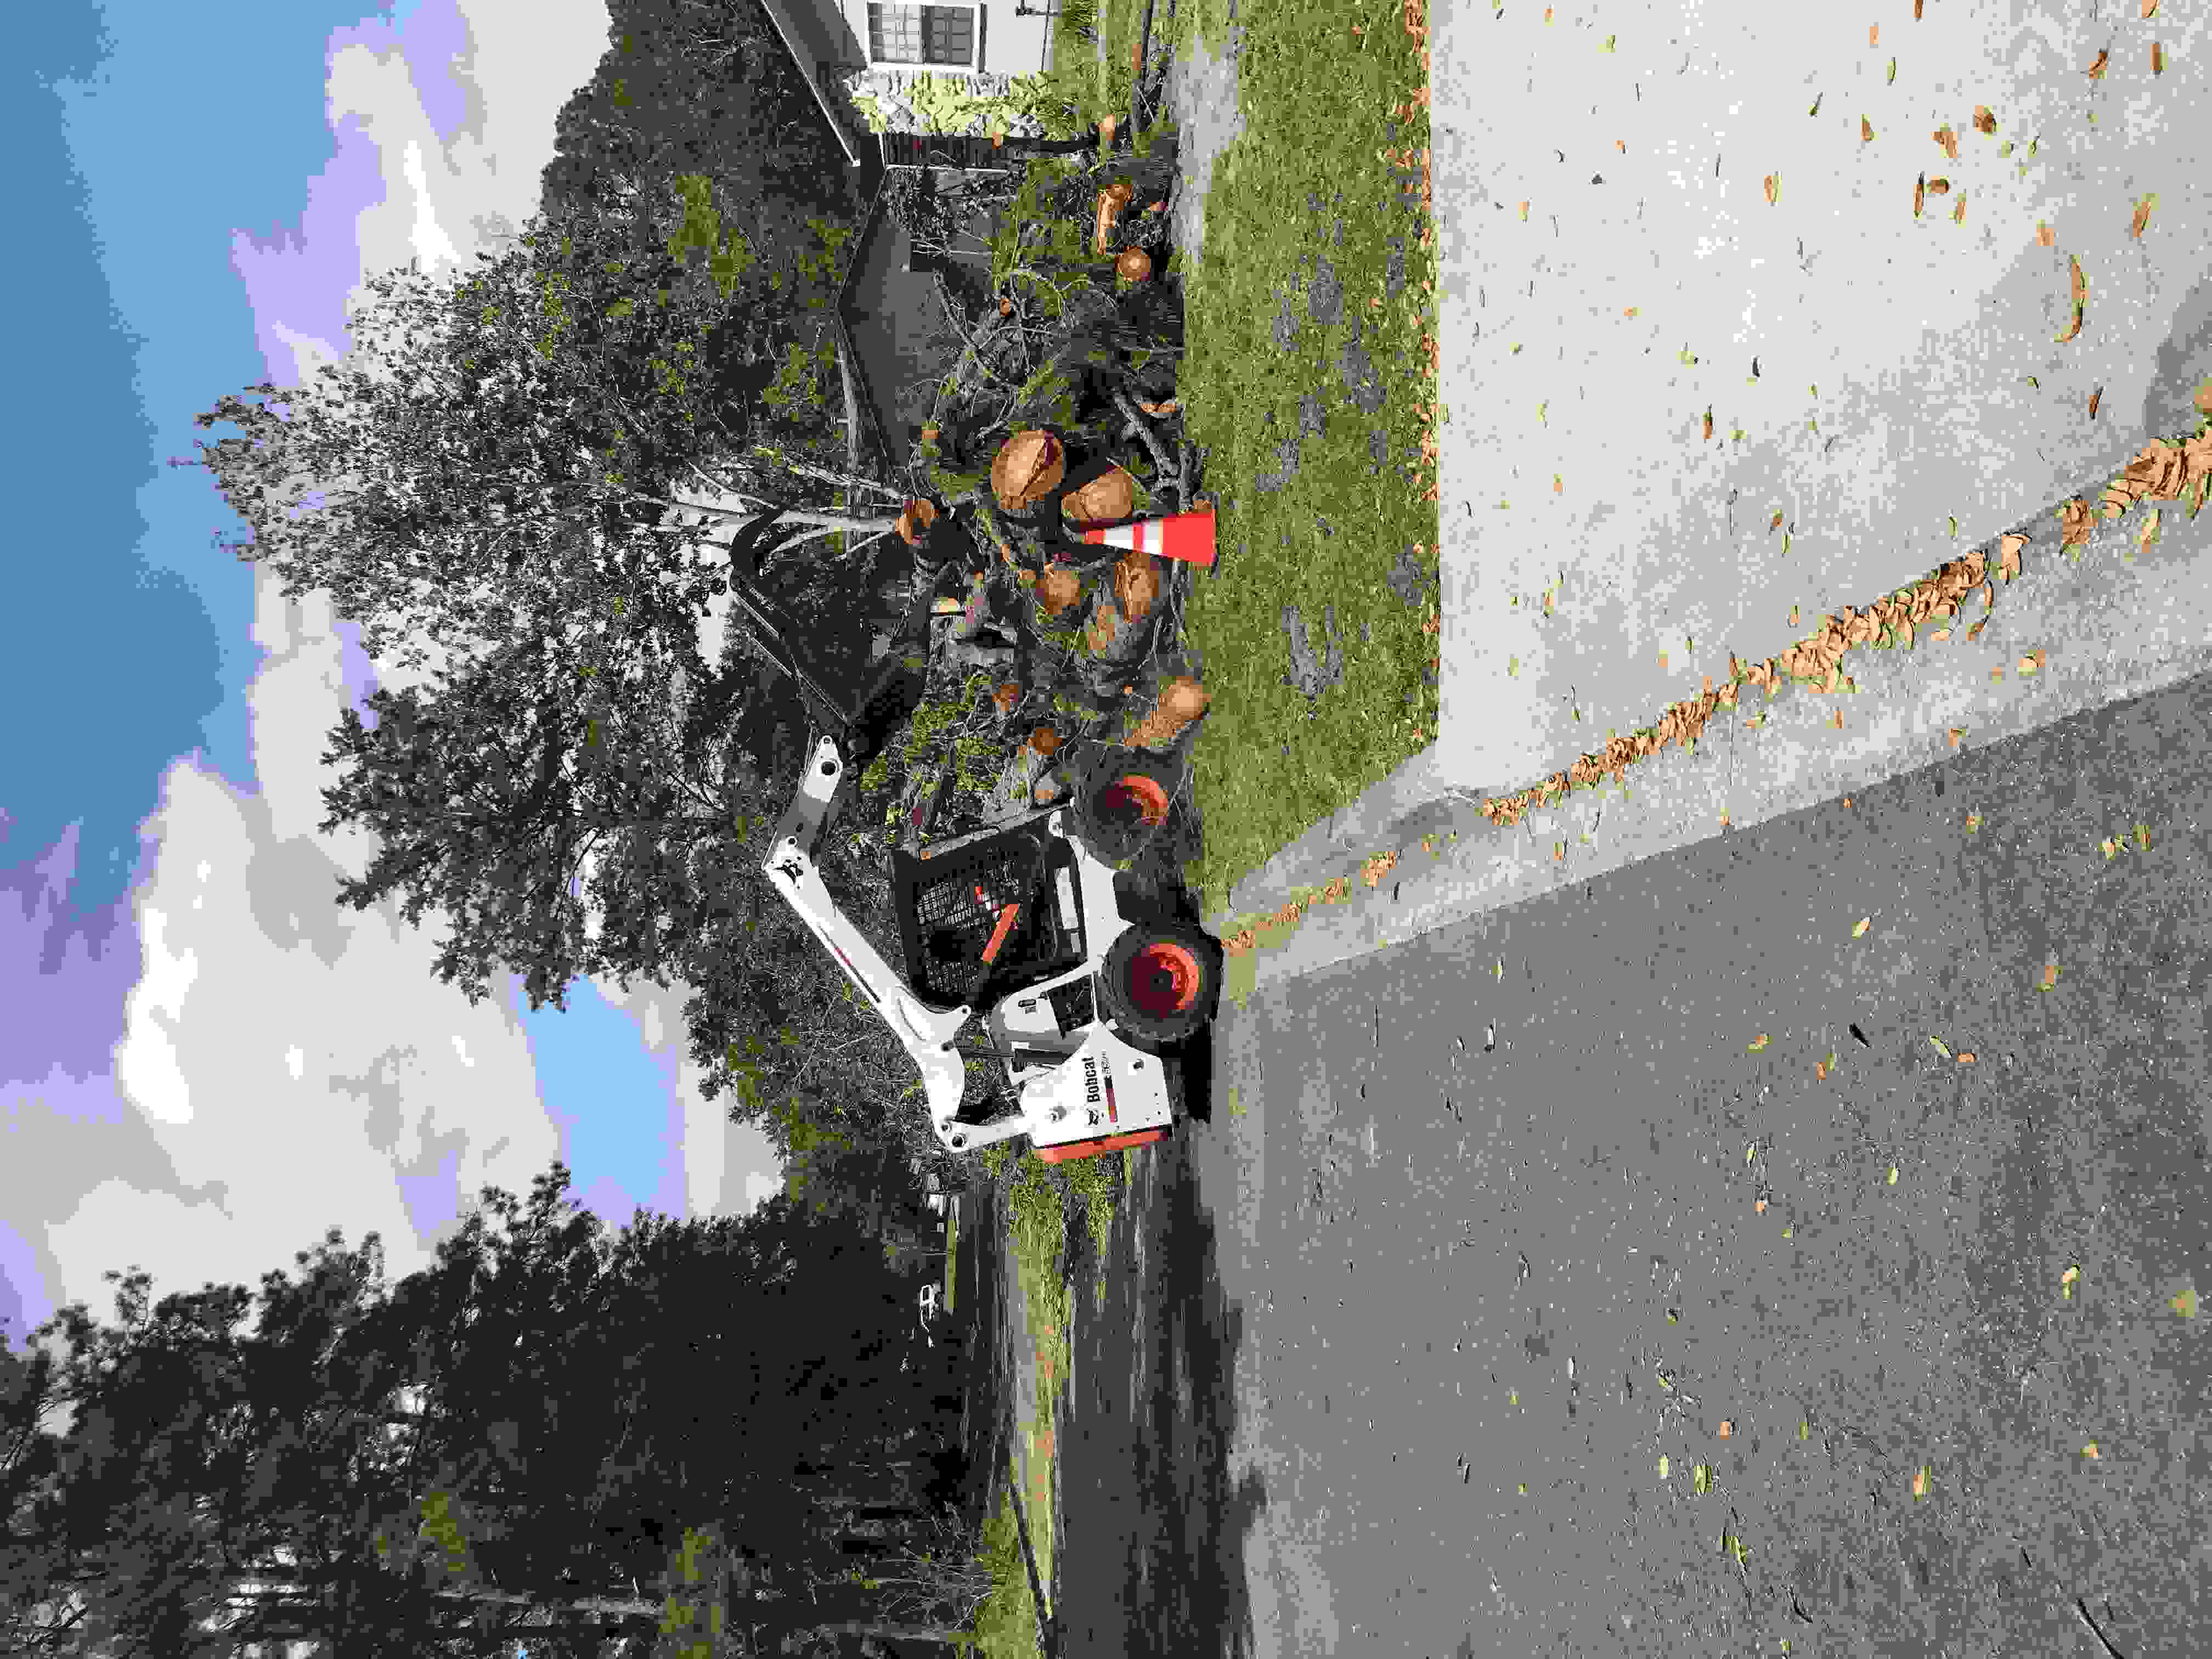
(1876, 373)
(1892, 385)
(1840, 1190)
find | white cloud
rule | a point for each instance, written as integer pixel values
(272, 1022)
(524, 60)
(294, 1062)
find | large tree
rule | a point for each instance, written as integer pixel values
(580, 808)
(510, 1443)
(505, 446)
(691, 86)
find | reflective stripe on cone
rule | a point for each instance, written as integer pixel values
(1188, 536)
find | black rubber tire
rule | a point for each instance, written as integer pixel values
(1186, 965)
(1123, 802)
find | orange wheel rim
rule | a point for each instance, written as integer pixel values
(1134, 798)
(1164, 978)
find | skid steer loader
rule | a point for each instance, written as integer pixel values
(1071, 983)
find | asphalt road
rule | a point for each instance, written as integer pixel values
(1426, 1251)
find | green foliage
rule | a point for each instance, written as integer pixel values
(805, 380)
(440, 1549)
(950, 104)
(727, 256)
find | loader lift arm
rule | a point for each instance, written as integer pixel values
(925, 1034)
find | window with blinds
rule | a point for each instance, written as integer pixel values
(921, 34)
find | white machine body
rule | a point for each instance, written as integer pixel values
(1074, 1086)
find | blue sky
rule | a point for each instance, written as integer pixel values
(208, 1061)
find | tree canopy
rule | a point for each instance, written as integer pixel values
(514, 1439)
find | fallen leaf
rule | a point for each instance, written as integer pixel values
(1776, 525)
(2044, 236)
(1663, 1466)
(1919, 194)
(1874, 34)
(1820, 1071)
(1866, 130)
(1761, 1208)
(1892, 1174)
(1940, 1049)
(1773, 187)
(2141, 218)
(2081, 293)
(2185, 1304)
(1939, 186)
(1701, 1477)
(2096, 70)
(1920, 1481)
(1864, 923)
(1949, 139)
(1727, 1428)
(1966, 1056)
(1958, 213)
(1756, 1045)
(2095, 398)
(2089, 1451)
(2157, 58)
(1985, 121)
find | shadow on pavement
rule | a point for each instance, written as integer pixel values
(1153, 1552)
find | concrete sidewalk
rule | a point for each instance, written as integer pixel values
(1868, 374)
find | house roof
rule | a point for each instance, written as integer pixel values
(860, 399)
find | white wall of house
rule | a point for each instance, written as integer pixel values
(868, 59)
(967, 37)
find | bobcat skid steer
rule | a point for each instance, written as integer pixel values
(1055, 971)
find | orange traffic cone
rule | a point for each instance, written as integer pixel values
(1185, 536)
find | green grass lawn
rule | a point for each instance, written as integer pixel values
(1315, 100)
(1318, 174)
